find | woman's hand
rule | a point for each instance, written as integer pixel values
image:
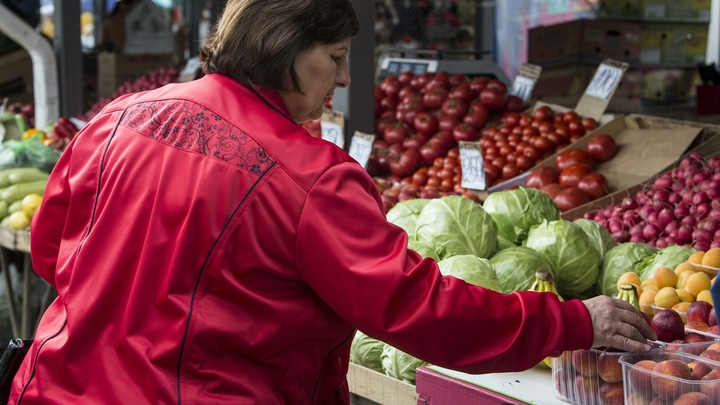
(618, 324)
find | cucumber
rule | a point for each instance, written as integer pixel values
(19, 191)
(5, 174)
(5, 222)
(26, 176)
(4, 208)
(15, 206)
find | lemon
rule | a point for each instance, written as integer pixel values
(19, 220)
(30, 204)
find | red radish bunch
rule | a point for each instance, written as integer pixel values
(680, 207)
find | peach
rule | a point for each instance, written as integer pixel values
(715, 330)
(585, 362)
(668, 325)
(696, 325)
(637, 399)
(711, 355)
(608, 367)
(713, 318)
(693, 398)
(640, 379)
(670, 388)
(586, 389)
(711, 388)
(698, 369)
(564, 379)
(714, 346)
(699, 311)
(612, 394)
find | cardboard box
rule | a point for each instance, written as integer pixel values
(707, 143)
(564, 85)
(114, 69)
(690, 10)
(669, 84)
(16, 74)
(673, 43)
(380, 388)
(620, 8)
(584, 40)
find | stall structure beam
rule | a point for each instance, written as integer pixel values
(99, 14)
(356, 101)
(193, 9)
(485, 28)
(69, 56)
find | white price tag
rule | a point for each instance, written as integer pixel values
(361, 147)
(333, 133)
(604, 82)
(192, 65)
(523, 88)
(473, 172)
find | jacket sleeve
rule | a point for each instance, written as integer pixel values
(360, 266)
(49, 221)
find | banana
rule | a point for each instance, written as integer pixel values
(628, 293)
(544, 283)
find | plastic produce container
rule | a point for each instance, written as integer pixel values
(664, 376)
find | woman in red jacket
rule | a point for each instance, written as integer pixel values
(206, 249)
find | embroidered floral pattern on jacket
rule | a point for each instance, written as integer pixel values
(190, 126)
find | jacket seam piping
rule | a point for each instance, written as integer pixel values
(37, 354)
(317, 382)
(202, 272)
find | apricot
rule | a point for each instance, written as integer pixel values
(684, 295)
(684, 266)
(697, 282)
(667, 297)
(705, 296)
(649, 281)
(650, 287)
(711, 259)
(628, 278)
(664, 277)
(682, 278)
(681, 306)
(696, 258)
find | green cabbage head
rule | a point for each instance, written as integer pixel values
(400, 365)
(423, 248)
(515, 268)
(670, 257)
(516, 211)
(471, 269)
(504, 243)
(366, 351)
(405, 213)
(620, 260)
(601, 239)
(573, 260)
(456, 225)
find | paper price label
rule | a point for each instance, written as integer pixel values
(192, 65)
(361, 147)
(473, 172)
(332, 127)
(604, 82)
(523, 88)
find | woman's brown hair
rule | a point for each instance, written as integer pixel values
(255, 41)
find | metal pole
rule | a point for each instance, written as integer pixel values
(192, 16)
(12, 311)
(69, 56)
(99, 13)
(485, 28)
(356, 102)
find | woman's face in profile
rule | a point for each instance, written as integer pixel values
(320, 70)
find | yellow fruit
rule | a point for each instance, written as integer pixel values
(647, 300)
(666, 297)
(650, 287)
(697, 282)
(628, 278)
(31, 203)
(649, 281)
(685, 295)
(19, 220)
(705, 296)
(684, 266)
(664, 277)
(681, 306)
(712, 258)
(696, 258)
(682, 279)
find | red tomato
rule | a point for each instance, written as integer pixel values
(383, 123)
(478, 84)
(602, 147)
(434, 98)
(405, 164)
(554, 139)
(425, 123)
(542, 144)
(388, 103)
(589, 123)
(499, 162)
(391, 86)
(405, 77)
(594, 184)
(570, 176)
(572, 157)
(571, 198)
(546, 127)
(416, 140)
(542, 113)
(497, 84)
(571, 116)
(552, 189)
(515, 104)
(431, 151)
(511, 118)
(447, 123)
(524, 163)
(405, 91)
(543, 176)
(576, 127)
(493, 99)
(454, 107)
(444, 137)
(509, 171)
(457, 79)
(532, 153)
(465, 132)
(462, 92)
(477, 119)
(511, 157)
(396, 133)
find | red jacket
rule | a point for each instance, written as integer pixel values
(207, 250)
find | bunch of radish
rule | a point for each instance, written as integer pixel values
(680, 207)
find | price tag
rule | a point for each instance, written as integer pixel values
(525, 81)
(473, 172)
(361, 147)
(192, 65)
(332, 127)
(599, 92)
(604, 82)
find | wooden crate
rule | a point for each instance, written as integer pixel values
(380, 388)
(22, 241)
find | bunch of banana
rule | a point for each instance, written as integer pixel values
(544, 283)
(628, 293)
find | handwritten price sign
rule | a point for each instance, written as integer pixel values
(473, 172)
(332, 127)
(360, 147)
(604, 82)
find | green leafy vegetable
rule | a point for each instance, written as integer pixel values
(367, 352)
(456, 225)
(600, 238)
(423, 248)
(670, 257)
(573, 260)
(405, 213)
(515, 268)
(471, 269)
(400, 365)
(504, 243)
(516, 211)
(620, 260)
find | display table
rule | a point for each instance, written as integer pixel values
(439, 386)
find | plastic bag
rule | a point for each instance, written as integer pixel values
(29, 153)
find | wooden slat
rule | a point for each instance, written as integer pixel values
(22, 241)
(379, 387)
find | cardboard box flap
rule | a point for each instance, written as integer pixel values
(644, 152)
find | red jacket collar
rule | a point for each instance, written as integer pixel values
(271, 97)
